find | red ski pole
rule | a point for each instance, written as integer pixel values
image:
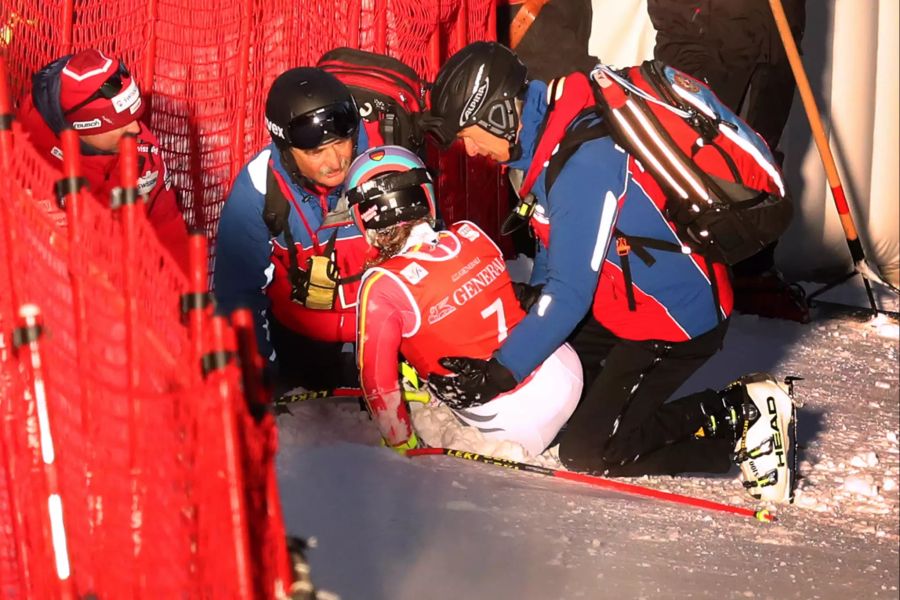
(617, 486)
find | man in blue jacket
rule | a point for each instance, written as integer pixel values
(276, 254)
(637, 345)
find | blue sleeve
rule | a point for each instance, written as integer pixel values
(582, 208)
(539, 268)
(243, 260)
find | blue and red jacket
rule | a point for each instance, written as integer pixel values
(598, 191)
(251, 267)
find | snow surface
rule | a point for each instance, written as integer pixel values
(390, 527)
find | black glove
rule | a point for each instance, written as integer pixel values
(474, 382)
(526, 294)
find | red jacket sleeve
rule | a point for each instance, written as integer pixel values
(384, 313)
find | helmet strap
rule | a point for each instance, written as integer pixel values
(290, 165)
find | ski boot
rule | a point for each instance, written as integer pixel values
(765, 448)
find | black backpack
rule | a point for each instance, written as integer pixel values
(390, 94)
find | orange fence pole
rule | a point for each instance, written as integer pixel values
(854, 244)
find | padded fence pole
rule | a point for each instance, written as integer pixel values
(68, 194)
(26, 340)
(434, 51)
(150, 54)
(354, 8)
(11, 414)
(197, 300)
(6, 150)
(6, 118)
(492, 20)
(129, 207)
(68, 22)
(461, 28)
(380, 27)
(251, 362)
(259, 397)
(237, 148)
(218, 366)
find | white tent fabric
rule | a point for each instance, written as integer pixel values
(852, 56)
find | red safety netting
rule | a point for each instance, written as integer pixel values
(206, 68)
(161, 475)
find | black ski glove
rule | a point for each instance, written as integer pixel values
(527, 295)
(474, 382)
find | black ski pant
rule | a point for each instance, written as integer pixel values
(312, 364)
(623, 425)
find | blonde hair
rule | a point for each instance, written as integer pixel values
(390, 240)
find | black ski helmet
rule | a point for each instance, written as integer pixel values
(477, 86)
(387, 185)
(307, 107)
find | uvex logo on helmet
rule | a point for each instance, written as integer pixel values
(274, 129)
(479, 93)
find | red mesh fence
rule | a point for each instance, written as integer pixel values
(207, 66)
(158, 472)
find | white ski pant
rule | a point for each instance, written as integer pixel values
(534, 412)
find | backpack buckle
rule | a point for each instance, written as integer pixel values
(622, 246)
(520, 215)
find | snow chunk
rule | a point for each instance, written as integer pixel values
(862, 485)
(888, 485)
(869, 459)
(886, 329)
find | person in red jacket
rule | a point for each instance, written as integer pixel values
(99, 98)
(431, 294)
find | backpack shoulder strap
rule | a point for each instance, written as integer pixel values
(277, 208)
(276, 212)
(567, 98)
(575, 137)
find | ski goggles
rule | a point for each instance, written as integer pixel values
(109, 89)
(336, 121)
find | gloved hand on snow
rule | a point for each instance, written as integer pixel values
(401, 448)
(472, 382)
